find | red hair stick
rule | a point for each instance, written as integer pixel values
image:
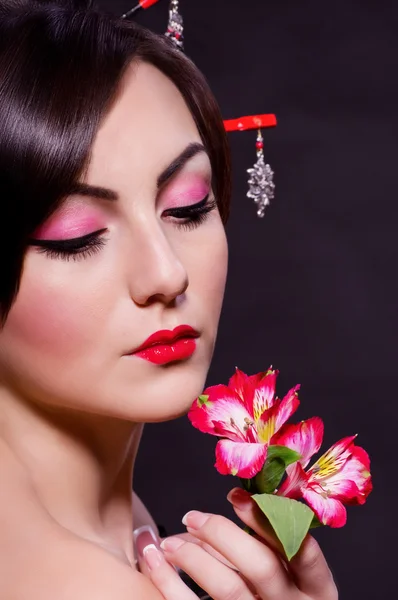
(141, 4)
(147, 3)
(251, 122)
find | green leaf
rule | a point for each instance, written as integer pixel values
(288, 455)
(290, 520)
(270, 476)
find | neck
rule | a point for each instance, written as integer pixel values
(80, 465)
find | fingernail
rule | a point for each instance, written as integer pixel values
(152, 556)
(195, 519)
(240, 498)
(172, 544)
(143, 537)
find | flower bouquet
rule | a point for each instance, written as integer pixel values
(271, 456)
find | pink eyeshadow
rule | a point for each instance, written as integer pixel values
(71, 222)
(184, 195)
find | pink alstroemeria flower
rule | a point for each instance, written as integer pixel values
(248, 415)
(341, 475)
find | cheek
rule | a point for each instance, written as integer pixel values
(43, 322)
(219, 273)
(51, 319)
(209, 270)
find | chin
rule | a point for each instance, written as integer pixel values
(165, 395)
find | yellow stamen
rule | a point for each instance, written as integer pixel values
(266, 430)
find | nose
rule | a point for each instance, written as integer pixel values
(158, 274)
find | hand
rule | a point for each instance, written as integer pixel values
(232, 565)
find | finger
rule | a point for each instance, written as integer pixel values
(309, 567)
(194, 540)
(312, 574)
(248, 512)
(165, 577)
(190, 538)
(219, 581)
(256, 561)
(153, 564)
(144, 536)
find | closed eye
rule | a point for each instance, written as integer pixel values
(75, 248)
(190, 217)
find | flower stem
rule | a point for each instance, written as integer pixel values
(248, 485)
(249, 530)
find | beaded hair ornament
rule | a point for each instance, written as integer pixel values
(261, 176)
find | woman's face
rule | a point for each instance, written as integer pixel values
(144, 257)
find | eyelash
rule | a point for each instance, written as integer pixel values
(88, 245)
(73, 249)
(193, 215)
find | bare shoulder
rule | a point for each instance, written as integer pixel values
(76, 571)
(39, 560)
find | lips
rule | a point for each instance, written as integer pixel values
(167, 346)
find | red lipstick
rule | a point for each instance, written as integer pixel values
(167, 346)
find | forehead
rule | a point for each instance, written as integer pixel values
(146, 127)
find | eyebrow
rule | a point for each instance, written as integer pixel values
(102, 193)
(190, 151)
(93, 191)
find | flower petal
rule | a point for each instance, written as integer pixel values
(340, 448)
(328, 510)
(223, 430)
(241, 459)
(222, 407)
(352, 484)
(364, 483)
(239, 383)
(244, 385)
(232, 432)
(287, 407)
(305, 438)
(361, 455)
(296, 480)
(264, 393)
(272, 419)
(333, 460)
(257, 391)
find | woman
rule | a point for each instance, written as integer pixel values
(114, 183)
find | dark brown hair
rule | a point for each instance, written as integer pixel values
(61, 63)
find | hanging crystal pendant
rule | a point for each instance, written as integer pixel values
(261, 181)
(175, 29)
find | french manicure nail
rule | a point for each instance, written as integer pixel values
(172, 544)
(240, 499)
(152, 556)
(194, 519)
(145, 536)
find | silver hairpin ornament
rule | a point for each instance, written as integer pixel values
(175, 28)
(261, 180)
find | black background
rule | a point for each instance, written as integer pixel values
(313, 286)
